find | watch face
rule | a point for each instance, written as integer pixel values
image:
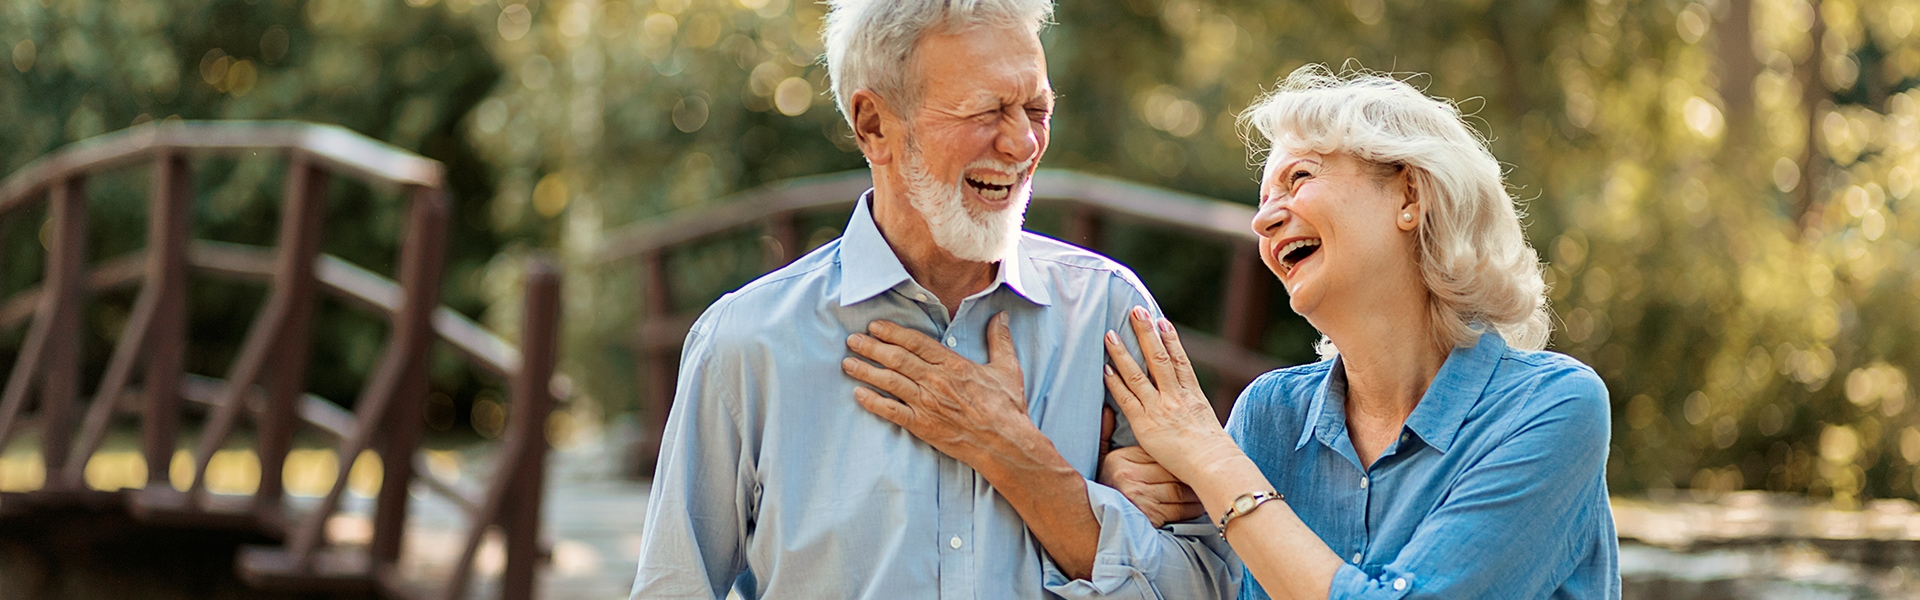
(1243, 504)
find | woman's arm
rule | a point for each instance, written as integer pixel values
(1176, 425)
(1507, 526)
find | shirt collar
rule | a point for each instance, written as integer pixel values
(1462, 380)
(869, 267)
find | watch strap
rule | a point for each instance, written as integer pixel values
(1244, 504)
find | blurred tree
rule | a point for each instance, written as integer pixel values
(1734, 258)
(71, 69)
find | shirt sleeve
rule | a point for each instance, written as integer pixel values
(1513, 523)
(1134, 559)
(1137, 560)
(702, 500)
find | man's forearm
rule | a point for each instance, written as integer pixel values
(1050, 496)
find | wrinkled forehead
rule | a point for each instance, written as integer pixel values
(982, 59)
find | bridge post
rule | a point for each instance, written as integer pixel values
(1244, 321)
(65, 290)
(783, 234)
(302, 221)
(658, 357)
(168, 227)
(421, 255)
(533, 403)
(1085, 228)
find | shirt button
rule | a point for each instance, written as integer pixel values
(954, 543)
(1363, 483)
(920, 297)
(951, 343)
(1399, 584)
(1356, 558)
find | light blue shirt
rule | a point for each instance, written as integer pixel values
(771, 477)
(1495, 489)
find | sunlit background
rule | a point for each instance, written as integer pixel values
(1723, 189)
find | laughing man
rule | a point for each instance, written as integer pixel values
(784, 474)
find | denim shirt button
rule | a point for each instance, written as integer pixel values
(1399, 585)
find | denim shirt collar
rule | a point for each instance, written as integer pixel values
(869, 266)
(1462, 379)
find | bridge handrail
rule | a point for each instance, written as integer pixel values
(330, 146)
(1179, 210)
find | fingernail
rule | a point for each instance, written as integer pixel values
(1166, 325)
(1108, 369)
(854, 339)
(1111, 338)
(846, 364)
(1139, 313)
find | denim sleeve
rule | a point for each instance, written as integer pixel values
(704, 485)
(1137, 560)
(1511, 522)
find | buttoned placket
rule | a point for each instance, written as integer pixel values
(954, 487)
(957, 484)
(1370, 481)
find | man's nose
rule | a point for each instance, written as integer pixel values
(1019, 137)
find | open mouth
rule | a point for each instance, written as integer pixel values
(991, 185)
(1296, 251)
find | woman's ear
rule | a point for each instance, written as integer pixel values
(1412, 205)
(873, 124)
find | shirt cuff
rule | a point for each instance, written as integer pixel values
(1351, 582)
(1124, 556)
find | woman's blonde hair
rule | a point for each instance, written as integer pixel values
(1476, 264)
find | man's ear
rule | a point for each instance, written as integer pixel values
(873, 122)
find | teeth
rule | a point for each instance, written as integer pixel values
(1296, 245)
(994, 193)
(1286, 251)
(991, 178)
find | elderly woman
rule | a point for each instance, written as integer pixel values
(1436, 452)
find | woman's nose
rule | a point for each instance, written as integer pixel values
(1268, 219)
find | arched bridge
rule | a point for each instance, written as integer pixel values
(145, 382)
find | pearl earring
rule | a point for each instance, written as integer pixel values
(1406, 216)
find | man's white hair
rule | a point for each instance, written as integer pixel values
(1475, 262)
(870, 43)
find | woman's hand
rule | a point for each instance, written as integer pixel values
(1158, 494)
(1163, 404)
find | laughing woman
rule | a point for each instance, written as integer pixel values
(1437, 452)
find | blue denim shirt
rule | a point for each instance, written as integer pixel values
(1496, 487)
(773, 481)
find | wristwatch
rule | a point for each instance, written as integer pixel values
(1243, 504)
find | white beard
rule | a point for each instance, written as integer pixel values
(988, 236)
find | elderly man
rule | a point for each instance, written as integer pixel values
(782, 476)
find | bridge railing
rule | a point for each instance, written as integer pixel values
(266, 382)
(1090, 203)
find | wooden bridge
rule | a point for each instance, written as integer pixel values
(266, 383)
(1232, 356)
